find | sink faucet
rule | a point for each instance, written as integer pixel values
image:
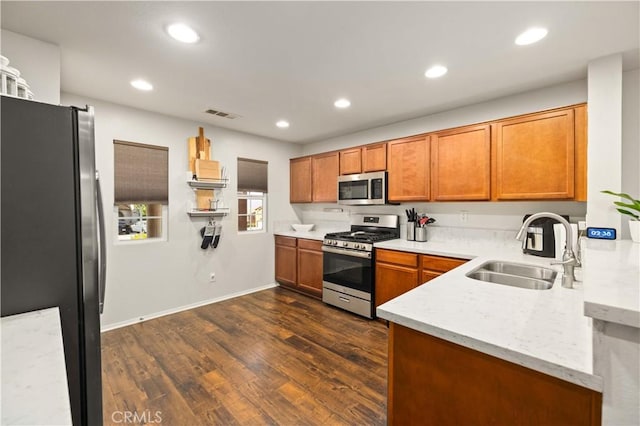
(569, 260)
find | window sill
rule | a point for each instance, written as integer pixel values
(263, 231)
(132, 242)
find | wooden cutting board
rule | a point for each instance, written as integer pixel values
(207, 169)
(199, 147)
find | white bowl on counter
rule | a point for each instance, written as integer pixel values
(301, 227)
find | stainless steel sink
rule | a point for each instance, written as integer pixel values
(515, 275)
(521, 270)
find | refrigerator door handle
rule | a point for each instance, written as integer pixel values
(102, 252)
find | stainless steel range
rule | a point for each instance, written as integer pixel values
(349, 262)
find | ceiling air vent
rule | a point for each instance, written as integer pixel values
(223, 114)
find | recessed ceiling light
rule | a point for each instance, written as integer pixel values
(531, 36)
(282, 124)
(183, 33)
(342, 103)
(436, 71)
(142, 85)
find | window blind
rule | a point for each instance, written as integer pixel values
(252, 175)
(141, 173)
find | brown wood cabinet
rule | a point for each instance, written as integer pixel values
(434, 266)
(398, 272)
(351, 161)
(286, 264)
(374, 157)
(408, 169)
(535, 156)
(435, 382)
(539, 156)
(300, 189)
(299, 264)
(325, 169)
(461, 164)
(310, 266)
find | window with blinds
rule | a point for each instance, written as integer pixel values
(252, 195)
(141, 189)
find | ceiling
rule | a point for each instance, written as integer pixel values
(267, 61)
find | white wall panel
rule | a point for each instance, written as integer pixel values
(145, 278)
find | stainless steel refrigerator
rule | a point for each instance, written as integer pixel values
(52, 234)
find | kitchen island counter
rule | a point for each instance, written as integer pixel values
(34, 377)
(544, 330)
(612, 281)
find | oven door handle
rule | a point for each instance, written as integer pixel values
(352, 253)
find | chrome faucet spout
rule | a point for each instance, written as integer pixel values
(569, 260)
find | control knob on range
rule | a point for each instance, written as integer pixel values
(345, 244)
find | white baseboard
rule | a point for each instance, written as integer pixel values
(183, 308)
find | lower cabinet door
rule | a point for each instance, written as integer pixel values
(310, 267)
(429, 275)
(393, 280)
(286, 265)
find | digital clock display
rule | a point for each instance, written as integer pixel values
(601, 233)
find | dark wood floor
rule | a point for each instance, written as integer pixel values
(272, 357)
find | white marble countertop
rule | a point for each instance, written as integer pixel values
(34, 376)
(544, 330)
(317, 233)
(311, 235)
(612, 281)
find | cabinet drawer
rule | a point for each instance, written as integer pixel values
(397, 257)
(309, 244)
(440, 264)
(285, 241)
(352, 303)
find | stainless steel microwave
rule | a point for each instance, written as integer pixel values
(363, 189)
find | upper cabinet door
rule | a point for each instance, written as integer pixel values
(350, 161)
(300, 180)
(461, 164)
(408, 169)
(325, 169)
(535, 156)
(374, 157)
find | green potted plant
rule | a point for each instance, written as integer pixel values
(632, 210)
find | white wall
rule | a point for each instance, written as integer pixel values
(148, 278)
(38, 62)
(630, 138)
(605, 140)
(486, 215)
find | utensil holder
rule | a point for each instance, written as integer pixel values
(411, 231)
(421, 233)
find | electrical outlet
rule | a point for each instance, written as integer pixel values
(212, 277)
(464, 216)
